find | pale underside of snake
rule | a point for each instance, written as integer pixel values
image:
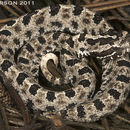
(75, 32)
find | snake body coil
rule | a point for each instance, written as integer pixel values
(75, 32)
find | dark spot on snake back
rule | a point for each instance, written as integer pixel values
(97, 18)
(77, 10)
(41, 40)
(28, 34)
(16, 41)
(6, 65)
(99, 104)
(65, 51)
(72, 62)
(40, 20)
(123, 78)
(84, 70)
(81, 37)
(74, 24)
(50, 96)
(54, 10)
(85, 83)
(81, 111)
(33, 89)
(27, 18)
(114, 93)
(70, 93)
(56, 35)
(10, 23)
(21, 77)
(29, 48)
(41, 30)
(23, 60)
(50, 108)
(70, 42)
(124, 63)
(56, 24)
(5, 32)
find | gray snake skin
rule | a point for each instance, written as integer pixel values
(26, 43)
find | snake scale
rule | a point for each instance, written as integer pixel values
(28, 42)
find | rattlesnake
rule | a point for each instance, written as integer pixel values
(26, 43)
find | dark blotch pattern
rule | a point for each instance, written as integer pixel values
(81, 111)
(74, 79)
(66, 30)
(57, 24)
(98, 104)
(10, 51)
(97, 18)
(54, 10)
(77, 10)
(10, 23)
(64, 51)
(124, 63)
(41, 30)
(123, 78)
(48, 48)
(56, 35)
(72, 62)
(93, 32)
(85, 83)
(84, 70)
(81, 37)
(86, 21)
(29, 48)
(50, 108)
(33, 89)
(114, 93)
(6, 65)
(112, 32)
(70, 106)
(21, 77)
(91, 41)
(17, 28)
(23, 60)
(56, 44)
(70, 93)
(40, 20)
(109, 71)
(50, 96)
(70, 42)
(16, 41)
(38, 55)
(5, 32)
(74, 24)
(34, 70)
(28, 34)
(41, 40)
(104, 41)
(27, 18)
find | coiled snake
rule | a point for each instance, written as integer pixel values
(74, 32)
